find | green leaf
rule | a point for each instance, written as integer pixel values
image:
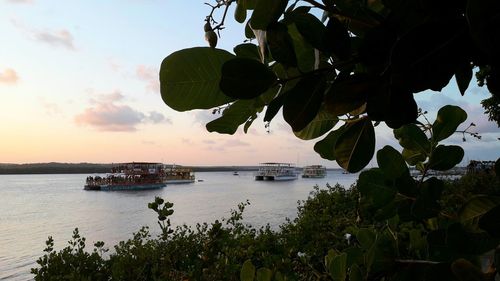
(447, 121)
(248, 31)
(355, 147)
(247, 50)
(366, 237)
(326, 147)
(445, 157)
(427, 206)
(337, 40)
(348, 93)
(497, 168)
(189, 78)
(338, 267)
(413, 157)
(311, 28)
(391, 162)
(411, 137)
(264, 274)
(374, 189)
(247, 272)
(355, 273)
(490, 222)
(463, 75)
(476, 207)
(321, 124)
(267, 12)
(482, 17)
(240, 13)
(303, 101)
(280, 44)
(244, 78)
(236, 114)
(274, 107)
(303, 50)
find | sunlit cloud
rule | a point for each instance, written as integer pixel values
(8, 76)
(235, 143)
(57, 38)
(106, 114)
(150, 76)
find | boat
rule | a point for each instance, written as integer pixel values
(276, 172)
(314, 171)
(235, 173)
(129, 176)
(178, 174)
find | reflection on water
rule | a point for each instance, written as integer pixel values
(33, 207)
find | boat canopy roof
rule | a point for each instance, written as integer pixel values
(276, 164)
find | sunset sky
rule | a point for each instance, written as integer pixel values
(79, 83)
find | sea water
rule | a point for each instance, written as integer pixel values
(33, 207)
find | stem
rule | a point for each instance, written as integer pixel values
(417, 262)
(317, 5)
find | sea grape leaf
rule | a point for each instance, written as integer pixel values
(411, 137)
(233, 116)
(355, 147)
(244, 78)
(476, 207)
(326, 147)
(240, 13)
(247, 272)
(303, 101)
(247, 50)
(375, 190)
(280, 44)
(391, 162)
(266, 12)
(448, 119)
(189, 78)
(445, 157)
(322, 123)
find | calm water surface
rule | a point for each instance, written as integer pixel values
(33, 207)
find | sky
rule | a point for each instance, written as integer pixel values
(79, 83)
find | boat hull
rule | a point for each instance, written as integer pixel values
(313, 177)
(279, 178)
(125, 187)
(179, 181)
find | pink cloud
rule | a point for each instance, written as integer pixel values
(57, 38)
(105, 114)
(150, 76)
(9, 76)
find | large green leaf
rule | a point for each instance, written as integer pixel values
(266, 12)
(280, 44)
(413, 157)
(247, 50)
(189, 78)
(490, 222)
(303, 50)
(245, 78)
(326, 147)
(338, 267)
(427, 206)
(445, 157)
(233, 116)
(337, 40)
(311, 28)
(448, 119)
(322, 123)
(483, 20)
(391, 162)
(240, 13)
(366, 237)
(303, 101)
(411, 137)
(247, 272)
(374, 189)
(477, 206)
(264, 274)
(348, 93)
(355, 147)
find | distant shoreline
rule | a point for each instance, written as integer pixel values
(94, 168)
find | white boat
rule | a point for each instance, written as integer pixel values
(176, 174)
(276, 172)
(314, 171)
